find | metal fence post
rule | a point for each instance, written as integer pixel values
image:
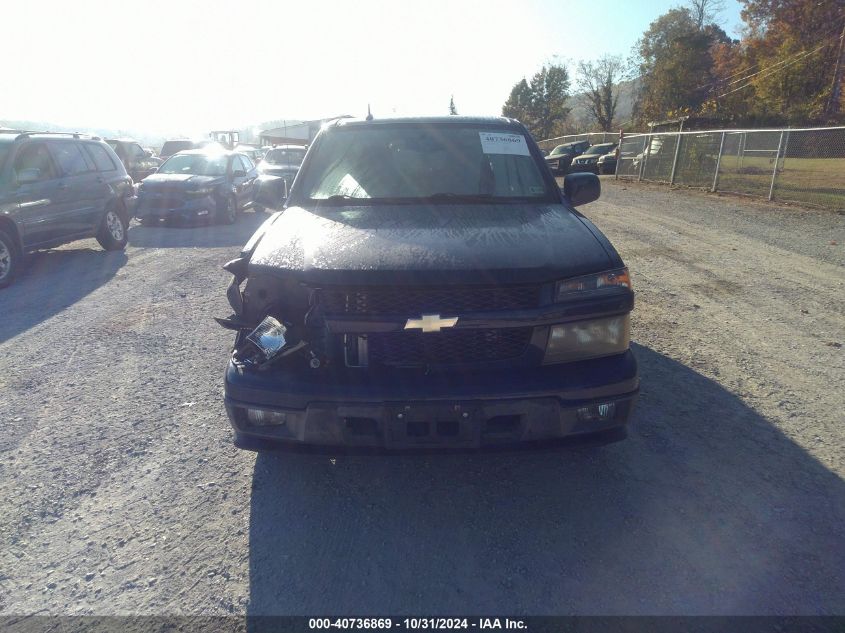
(718, 164)
(618, 153)
(775, 170)
(675, 159)
(646, 144)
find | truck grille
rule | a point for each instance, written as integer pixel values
(417, 349)
(415, 300)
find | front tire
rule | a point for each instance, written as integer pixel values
(10, 259)
(112, 235)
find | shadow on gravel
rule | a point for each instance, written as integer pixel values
(706, 508)
(50, 282)
(201, 236)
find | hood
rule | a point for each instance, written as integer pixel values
(444, 244)
(184, 180)
(272, 168)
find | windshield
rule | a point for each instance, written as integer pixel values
(287, 156)
(195, 164)
(600, 149)
(411, 163)
(172, 147)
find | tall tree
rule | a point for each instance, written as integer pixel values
(791, 47)
(519, 102)
(705, 12)
(676, 65)
(549, 92)
(452, 109)
(598, 80)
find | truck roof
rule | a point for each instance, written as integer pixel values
(426, 120)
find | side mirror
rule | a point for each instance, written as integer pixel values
(581, 188)
(239, 173)
(27, 176)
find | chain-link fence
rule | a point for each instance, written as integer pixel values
(795, 165)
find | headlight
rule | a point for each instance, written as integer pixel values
(588, 339)
(268, 337)
(592, 282)
(202, 191)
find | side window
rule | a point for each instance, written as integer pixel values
(70, 158)
(101, 157)
(136, 151)
(36, 157)
(247, 163)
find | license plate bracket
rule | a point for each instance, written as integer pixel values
(427, 424)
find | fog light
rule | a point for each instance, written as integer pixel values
(260, 417)
(597, 412)
(269, 337)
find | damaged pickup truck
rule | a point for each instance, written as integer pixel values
(428, 284)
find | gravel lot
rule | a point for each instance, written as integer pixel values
(120, 491)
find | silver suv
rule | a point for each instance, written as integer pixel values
(57, 188)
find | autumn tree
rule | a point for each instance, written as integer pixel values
(598, 81)
(791, 51)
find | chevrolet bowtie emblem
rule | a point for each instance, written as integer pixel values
(430, 323)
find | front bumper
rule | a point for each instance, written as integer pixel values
(591, 168)
(399, 411)
(200, 207)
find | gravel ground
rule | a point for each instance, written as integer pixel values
(120, 491)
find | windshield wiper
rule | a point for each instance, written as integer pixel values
(461, 197)
(336, 198)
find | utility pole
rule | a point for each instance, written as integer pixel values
(835, 89)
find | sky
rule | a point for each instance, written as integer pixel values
(184, 67)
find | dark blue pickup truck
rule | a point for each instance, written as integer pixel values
(429, 285)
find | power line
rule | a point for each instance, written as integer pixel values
(830, 31)
(771, 70)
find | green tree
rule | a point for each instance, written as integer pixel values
(676, 65)
(518, 103)
(541, 103)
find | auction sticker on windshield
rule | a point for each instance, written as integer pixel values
(503, 143)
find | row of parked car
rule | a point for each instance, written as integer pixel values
(56, 188)
(580, 156)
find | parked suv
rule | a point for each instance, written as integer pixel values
(57, 188)
(428, 284)
(589, 160)
(139, 162)
(560, 158)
